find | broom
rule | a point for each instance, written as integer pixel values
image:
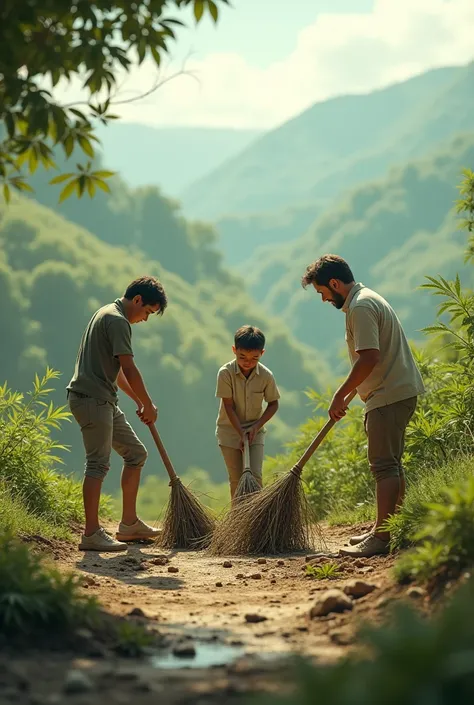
(187, 523)
(248, 485)
(277, 520)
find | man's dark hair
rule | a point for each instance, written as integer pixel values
(326, 268)
(249, 338)
(151, 291)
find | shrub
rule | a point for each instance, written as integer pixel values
(28, 458)
(447, 536)
(35, 598)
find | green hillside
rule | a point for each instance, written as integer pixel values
(169, 157)
(336, 145)
(393, 232)
(55, 274)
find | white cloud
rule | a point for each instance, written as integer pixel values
(339, 53)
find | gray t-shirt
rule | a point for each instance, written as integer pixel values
(372, 324)
(107, 336)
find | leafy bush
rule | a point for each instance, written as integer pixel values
(446, 536)
(411, 660)
(427, 487)
(35, 598)
(28, 481)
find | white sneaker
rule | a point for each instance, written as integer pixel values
(101, 541)
(139, 531)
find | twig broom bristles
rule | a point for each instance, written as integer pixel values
(187, 524)
(276, 520)
(248, 485)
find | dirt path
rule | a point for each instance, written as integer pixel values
(234, 621)
(197, 602)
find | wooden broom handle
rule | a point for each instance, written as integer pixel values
(246, 453)
(320, 437)
(161, 449)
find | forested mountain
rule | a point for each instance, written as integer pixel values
(337, 144)
(393, 232)
(55, 274)
(169, 157)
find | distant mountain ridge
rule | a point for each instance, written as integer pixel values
(336, 145)
(169, 157)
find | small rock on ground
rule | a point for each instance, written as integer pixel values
(160, 560)
(227, 564)
(342, 637)
(256, 576)
(173, 569)
(137, 612)
(330, 601)
(77, 682)
(185, 649)
(416, 593)
(262, 561)
(255, 618)
(219, 585)
(359, 588)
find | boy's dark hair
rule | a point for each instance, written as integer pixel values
(326, 268)
(249, 338)
(151, 291)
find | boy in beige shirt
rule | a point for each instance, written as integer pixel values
(386, 377)
(243, 384)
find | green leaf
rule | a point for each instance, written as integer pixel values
(32, 159)
(67, 190)
(6, 193)
(22, 185)
(59, 179)
(90, 187)
(198, 9)
(68, 145)
(86, 146)
(213, 10)
(102, 185)
(156, 55)
(81, 185)
(10, 124)
(102, 174)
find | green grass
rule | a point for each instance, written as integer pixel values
(328, 571)
(16, 519)
(37, 599)
(445, 541)
(426, 486)
(343, 515)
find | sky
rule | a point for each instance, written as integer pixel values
(268, 60)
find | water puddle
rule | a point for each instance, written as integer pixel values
(206, 655)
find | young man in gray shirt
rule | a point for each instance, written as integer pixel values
(386, 378)
(104, 364)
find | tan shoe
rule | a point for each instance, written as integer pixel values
(371, 546)
(354, 540)
(101, 541)
(139, 531)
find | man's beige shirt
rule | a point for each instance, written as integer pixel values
(248, 394)
(371, 323)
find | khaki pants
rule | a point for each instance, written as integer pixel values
(385, 428)
(104, 427)
(234, 460)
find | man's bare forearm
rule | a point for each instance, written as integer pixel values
(134, 379)
(124, 385)
(362, 368)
